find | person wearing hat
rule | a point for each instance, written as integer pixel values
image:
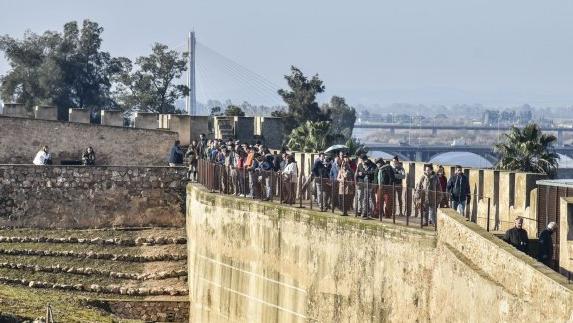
(545, 249)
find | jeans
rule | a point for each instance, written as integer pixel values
(460, 206)
(319, 193)
(432, 215)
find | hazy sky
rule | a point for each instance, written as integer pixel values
(375, 51)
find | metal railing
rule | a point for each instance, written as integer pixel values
(360, 198)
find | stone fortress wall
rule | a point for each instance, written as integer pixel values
(257, 261)
(21, 138)
(91, 197)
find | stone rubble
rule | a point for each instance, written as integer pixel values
(151, 241)
(92, 271)
(110, 289)
(94, 255)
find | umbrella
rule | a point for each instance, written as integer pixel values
(335, 148)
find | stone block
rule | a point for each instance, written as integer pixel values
(271, 130)
(146, 120)
(112, 118)
(244, 128)
(79, 115)
(17, 110)
(45, 112)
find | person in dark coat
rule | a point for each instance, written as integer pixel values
(176, 154)
(459, 188)
(545, 251)
(517, 236)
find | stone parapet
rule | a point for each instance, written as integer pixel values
(79, 115)
(44, 112)
(112, 118)
(146, 120)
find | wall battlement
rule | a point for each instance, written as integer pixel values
(21, 138)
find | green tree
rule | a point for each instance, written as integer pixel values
(66, 69)
(152, 87)
(342, 116)
(301, 100)
(527, 150)
(355, 147)
(313, 136)
(233, 110)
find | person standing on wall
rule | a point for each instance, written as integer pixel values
(459, 189)
(202, 146)
(175, 155)
(43, 157)
(364, 178)
(399, 176)
(290, 176)
(517, 236)
(385, 183)
(545, 249)
(192, 155)
(318, 173)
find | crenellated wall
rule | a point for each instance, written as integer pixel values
(21, 138)
(253, 261)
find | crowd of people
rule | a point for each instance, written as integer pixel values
(370, 188)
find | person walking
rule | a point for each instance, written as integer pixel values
(545, 249)
(176, 155)
(443, 187)
(426, 189)
(459, 189)
(517, 236)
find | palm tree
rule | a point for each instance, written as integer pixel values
(313, 136)
(527, 150)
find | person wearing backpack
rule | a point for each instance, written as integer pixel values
(385, 180)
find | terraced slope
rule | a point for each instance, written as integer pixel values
(66, 268)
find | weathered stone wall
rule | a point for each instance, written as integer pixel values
(149, 311)
(257, 262)
(480, 278)
(89, 197)
(261, 262)
(20, 140)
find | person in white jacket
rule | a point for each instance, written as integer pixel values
(43, 157)
(290, 176)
